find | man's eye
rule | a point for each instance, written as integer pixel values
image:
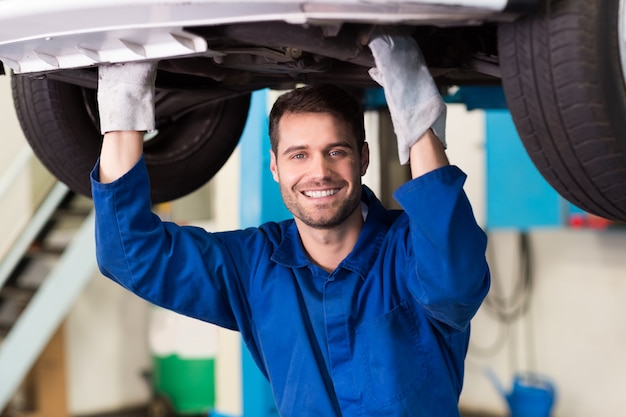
(297, 156)
(337, 153)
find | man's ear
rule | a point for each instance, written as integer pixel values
(273, 167)
(365, 158)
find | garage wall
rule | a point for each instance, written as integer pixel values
(575, 332)
(107, 350)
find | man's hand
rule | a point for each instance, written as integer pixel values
(126, 106)
(126, 96)
(412, 96)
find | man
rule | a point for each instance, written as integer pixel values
(348, 309)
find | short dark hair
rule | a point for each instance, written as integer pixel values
(319, 98)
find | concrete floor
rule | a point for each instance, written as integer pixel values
(143, 412)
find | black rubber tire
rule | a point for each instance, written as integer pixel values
(60, 123)
(564, 85)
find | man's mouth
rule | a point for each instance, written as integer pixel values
(321, 193)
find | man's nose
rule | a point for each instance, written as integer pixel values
(319, 167)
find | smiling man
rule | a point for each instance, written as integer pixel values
(348, 309)
(318, 157)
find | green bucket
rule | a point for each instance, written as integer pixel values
(188, 383)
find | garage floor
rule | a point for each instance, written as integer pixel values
(141, 412)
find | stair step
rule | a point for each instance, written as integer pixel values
(12, 303)
(79, 212)
(20, 295)
(4, 331)
(44, 251)
(33, 269)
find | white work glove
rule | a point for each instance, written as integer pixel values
(126, 96)
(412, 96)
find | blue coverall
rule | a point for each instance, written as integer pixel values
(385, 334)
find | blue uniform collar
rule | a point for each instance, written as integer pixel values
(290, 252)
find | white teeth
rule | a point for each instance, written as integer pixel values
(320, 194)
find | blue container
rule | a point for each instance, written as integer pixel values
(532, 396)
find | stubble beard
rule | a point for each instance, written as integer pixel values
(336, 217)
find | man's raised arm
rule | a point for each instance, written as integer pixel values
(417, 110)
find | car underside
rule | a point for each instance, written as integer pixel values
(248, 57)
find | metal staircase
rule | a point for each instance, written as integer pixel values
(41, 276)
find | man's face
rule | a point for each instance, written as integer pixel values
(319, 168)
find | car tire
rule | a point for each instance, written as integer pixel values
(563, 76)
(60, 122)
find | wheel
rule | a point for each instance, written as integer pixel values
(563, 72)
(194, 138)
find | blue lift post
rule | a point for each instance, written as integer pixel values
(518, 197)
(260, 202)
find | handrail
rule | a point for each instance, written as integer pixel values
(32, 229)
